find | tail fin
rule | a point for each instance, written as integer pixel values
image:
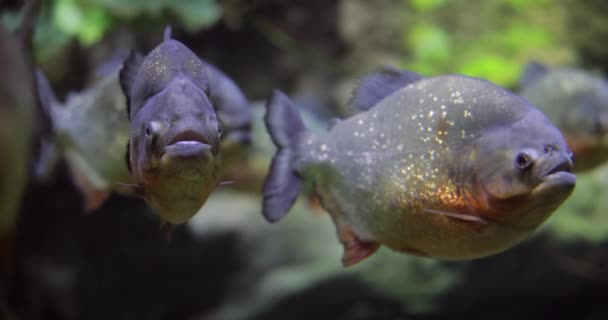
(283, 184)
(46, 154)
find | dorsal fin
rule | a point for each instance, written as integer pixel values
(532, 71)
(127, 75)
(167, 33)
(380, 84)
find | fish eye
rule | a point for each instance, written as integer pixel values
(152, 130)
(522, 160)
(220, 129)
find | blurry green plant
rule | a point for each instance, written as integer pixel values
(88, 23)
(430, 46)
(478, 38)
(426, 5)
(89, 20)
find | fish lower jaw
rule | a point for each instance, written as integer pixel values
(555, 182)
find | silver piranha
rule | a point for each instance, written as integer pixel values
(91, 131)
(174, 141)
(450, 167)
(577, 102)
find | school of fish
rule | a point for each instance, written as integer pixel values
(450, 167)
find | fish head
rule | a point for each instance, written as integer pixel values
(522, 172)
(176, 134)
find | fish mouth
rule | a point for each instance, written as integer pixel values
(558, 177)
(189, 144)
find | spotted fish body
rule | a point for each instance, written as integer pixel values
(174, 138)
(577, 102)
(450, 167)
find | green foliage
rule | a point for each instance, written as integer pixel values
(426, 5)
(89, 20)
(488, 66)
(523, 4)
(430, 47)
(87, 23)
(192, 14)
(480, 38)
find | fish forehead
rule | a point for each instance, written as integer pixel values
(179, 99)
(166, 62)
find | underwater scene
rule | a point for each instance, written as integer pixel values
(266, 159)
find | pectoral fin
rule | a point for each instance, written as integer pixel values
(355, 249)
(133, 190)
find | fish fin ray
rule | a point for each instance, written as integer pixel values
(167, 33)
(379, 85)
(127, 75)
(458, 216)
(355, 249)
(532, 71)
(47, 152)
(128, 189)
(282, 185)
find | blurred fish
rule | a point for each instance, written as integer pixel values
(233, 112)
(174, 142)
(17, 112)
(576, 101)
(91, 131)
(450, 167)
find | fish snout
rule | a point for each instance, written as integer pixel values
(554, 161)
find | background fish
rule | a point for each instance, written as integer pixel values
(450, 167)
(17, 109)
(576, 101)
(91, 131)
(174, 131)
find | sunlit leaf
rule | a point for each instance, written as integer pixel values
(197, 14)
(68, 16)
(495, 68)
(97, 22)
(519, 37)
(426, 5)
(523, 4)
(428, 42)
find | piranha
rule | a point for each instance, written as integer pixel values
(174, 140)
(450, 167)
(91, 132)
(576, 101)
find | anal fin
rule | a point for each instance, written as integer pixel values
(355, 249)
